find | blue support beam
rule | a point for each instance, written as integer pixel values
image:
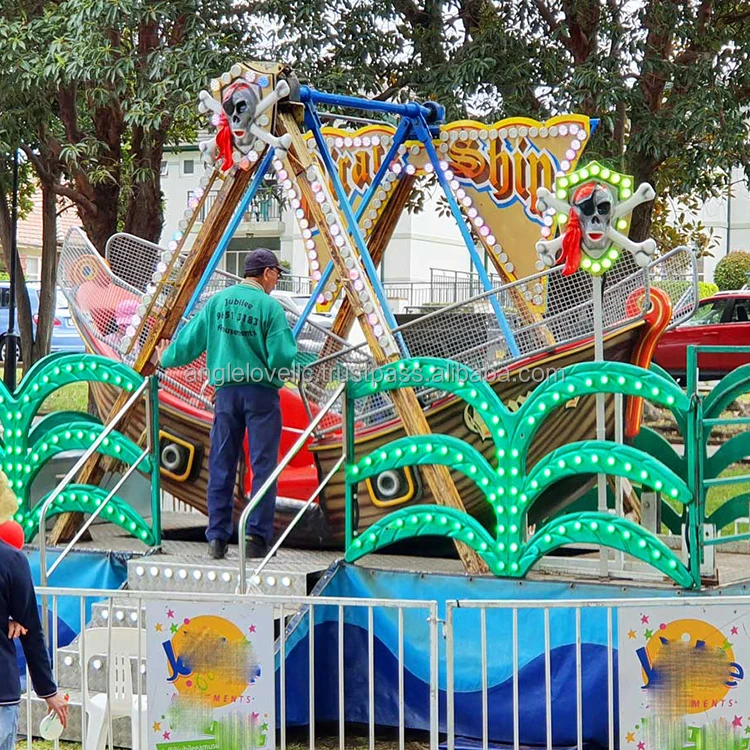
(230, 230)
(352, 223)
(429, 112)
(398, 138)
(484, 279)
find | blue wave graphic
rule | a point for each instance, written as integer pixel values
(468, 704)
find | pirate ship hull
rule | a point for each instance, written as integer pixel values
(185, 431)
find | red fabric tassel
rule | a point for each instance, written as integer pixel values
(224, 142)
(224, 134)
(571, 245)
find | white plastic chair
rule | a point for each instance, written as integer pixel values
(121, 700)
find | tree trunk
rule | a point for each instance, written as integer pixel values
(100, 226)
(145, 217)
(643, 169)
(48, 281)
(23, 308)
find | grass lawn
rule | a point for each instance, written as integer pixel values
(73, 397)
(717, 496)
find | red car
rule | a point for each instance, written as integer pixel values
(721, 320)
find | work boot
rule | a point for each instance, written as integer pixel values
(217, 549)
(256, 547)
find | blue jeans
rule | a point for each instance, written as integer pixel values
(8, 726)
(236, 408)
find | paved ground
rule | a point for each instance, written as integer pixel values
(733, 566)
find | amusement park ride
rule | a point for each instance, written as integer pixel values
(554, 231)
(507, 424)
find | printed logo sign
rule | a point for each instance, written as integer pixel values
(682, 679)
(210, 677)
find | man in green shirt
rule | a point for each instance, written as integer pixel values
(249, 353)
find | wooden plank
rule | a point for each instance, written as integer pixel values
(167, 321)
(379, 239)
(407, 406)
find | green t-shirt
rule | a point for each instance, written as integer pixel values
(245, 335)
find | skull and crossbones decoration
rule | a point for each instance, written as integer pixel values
(592, 211)
(242, 105)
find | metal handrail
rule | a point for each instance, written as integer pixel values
(260, 494)
(96, 513)
(288, 530)
(66, 480)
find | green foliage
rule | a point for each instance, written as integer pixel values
(706, 289)
(675, 222)
(676, 288)
(99, 88)
(669, 81)
(731, 271)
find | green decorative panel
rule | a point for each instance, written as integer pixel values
(443, 450)
(603, 377)
(730, 510)
(55, 418)
(657, 447)
(592, 457)
(83, 498)
(75, 436)
(427, 520)
(25, 450)
(506, 486)
(728, 389)
(606, 531)
(734, 450)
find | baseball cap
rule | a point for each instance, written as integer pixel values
(261, 258)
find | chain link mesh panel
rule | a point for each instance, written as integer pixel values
(467, 331)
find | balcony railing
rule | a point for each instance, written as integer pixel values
(265, 207)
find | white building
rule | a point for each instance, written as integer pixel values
(729, 217)
(424, 245)
(420, 242)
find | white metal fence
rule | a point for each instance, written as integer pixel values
(78, 673)
(476, 638)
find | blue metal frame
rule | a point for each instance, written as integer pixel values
(419, 120)
(230, 230)
(354, 230)
(398, 138)
(424, 136)
(416, 120)
(312, 97)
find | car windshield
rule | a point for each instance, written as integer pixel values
(62, 301)
(708, 313)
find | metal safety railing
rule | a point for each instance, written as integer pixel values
(79, 670)
(591, 663)
(261, 493)
(705, 470)
(150, 384)
(603, 641)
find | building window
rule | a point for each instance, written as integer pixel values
(233, 262)
(188, 166)
(33, 268)
(164, 169)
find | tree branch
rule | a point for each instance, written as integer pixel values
(705, 12)
(76, 197)
(48, 178)
(66, 102)
(553, 23)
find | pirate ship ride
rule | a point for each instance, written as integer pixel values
(347, 187)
